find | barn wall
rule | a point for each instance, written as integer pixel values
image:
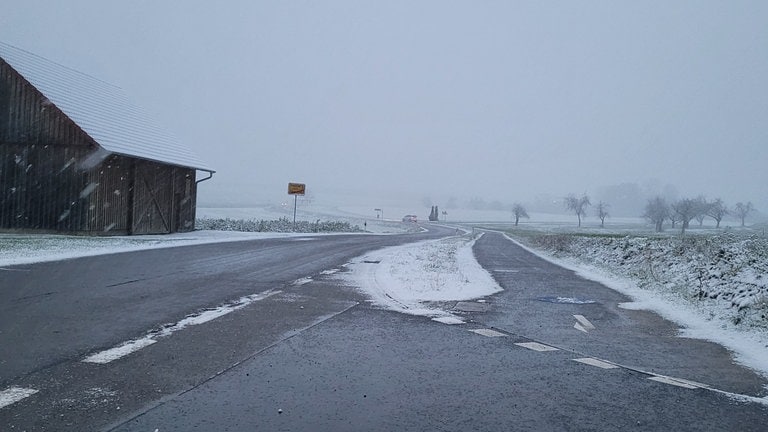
(108, 192)
(55, 178)
(40, 188)
(40, 150)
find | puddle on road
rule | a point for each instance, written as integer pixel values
(472, 307)
(565, 300)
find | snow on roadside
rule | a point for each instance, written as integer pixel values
(404, 278)
(16, 249)
(668, 294)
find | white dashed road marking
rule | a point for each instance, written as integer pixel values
(132, 346)
(488, 333)
(584, 325)
(14, 394)
(119, 351)
(302, 281)
(450, 320)
(679, 382)
(595, 362)
(536, 346)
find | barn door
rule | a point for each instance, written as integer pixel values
(152, 199)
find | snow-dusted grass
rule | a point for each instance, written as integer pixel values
(714, 286)
(407, 278)
(729, 269)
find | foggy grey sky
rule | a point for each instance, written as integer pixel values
(497, 99)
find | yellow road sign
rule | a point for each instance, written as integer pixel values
(296, 188)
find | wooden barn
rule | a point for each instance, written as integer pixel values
(77, 157)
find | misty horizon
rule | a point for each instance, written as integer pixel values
(434, 101)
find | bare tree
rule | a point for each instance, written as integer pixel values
(657, 211)
(717, 210)
(742, 210)
(577, 205)
(702, 206)
(686, 210)
(602, 212)
(519, 211)
(673, 217)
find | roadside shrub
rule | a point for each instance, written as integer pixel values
(553, 242)
(278, 225)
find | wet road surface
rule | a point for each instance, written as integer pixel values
(316, 356)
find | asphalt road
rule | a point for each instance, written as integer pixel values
(314, 355)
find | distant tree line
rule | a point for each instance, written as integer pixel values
(685, 210)
(658, 211)
(579, 206)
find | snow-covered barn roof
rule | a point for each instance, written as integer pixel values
(101, 110)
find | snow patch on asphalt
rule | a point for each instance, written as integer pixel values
(404, 278)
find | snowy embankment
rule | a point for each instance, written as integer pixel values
(407, 278)
(714, 286)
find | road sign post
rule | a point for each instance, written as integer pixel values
(296, 189)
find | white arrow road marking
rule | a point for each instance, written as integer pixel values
(488, 333)
(14, 394)
(583, 324)
(579, 327)
(536, 346)
(595, 362)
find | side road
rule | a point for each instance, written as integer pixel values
(551, 304)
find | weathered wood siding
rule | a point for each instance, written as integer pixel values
(54, 177)
(163, 198)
